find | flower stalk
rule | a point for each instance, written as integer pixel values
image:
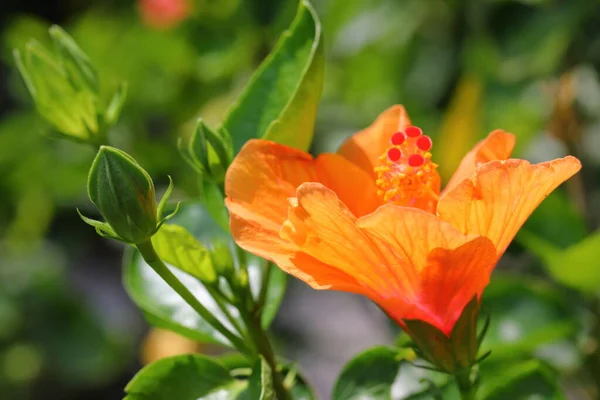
(149, 254)
(466, 387)
(259, 337)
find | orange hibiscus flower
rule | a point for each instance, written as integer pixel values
(371, 219)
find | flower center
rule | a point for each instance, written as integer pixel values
(406, 175)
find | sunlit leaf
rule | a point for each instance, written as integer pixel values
(176, 246)
(280, 102)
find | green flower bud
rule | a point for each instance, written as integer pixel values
(124, 194)
(209, 152)
(64, 87)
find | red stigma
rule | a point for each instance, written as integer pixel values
(415, 160)
(413, 131)
(394, 154)
(424, 143)
(398, 138)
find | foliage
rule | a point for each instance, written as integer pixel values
(461, 68)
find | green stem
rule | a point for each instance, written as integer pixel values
(222, 304)
(150, 256)
(264, 284)
(465, 386)
(260, 339)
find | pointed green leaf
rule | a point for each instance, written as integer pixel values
(280, 102)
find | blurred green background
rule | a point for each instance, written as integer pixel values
(461, 68)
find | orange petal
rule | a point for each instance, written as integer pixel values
(353, 186)
(263, 175)
(263, 242)
(444, 267)
(321, 226)
(258, 183)
(502, 195)
(497, 146)
(453, 278)
(364, 147)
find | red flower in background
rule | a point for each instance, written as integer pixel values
(164, 14)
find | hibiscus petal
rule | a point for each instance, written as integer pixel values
(497, 146)
(453, 278)
(320, 225)
(262, 241)
(353, 186)
(446, 269)
(262, 176)
(261, 179)
(501, 196)
(364, 147)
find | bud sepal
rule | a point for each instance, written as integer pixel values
(451, 354)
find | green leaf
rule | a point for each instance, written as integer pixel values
(266, 381)
(280, 101)
(575, 266)
(177, 247)
(186, 377)
(528, 379)
(528, 315)
(368, 376)
(556, 220)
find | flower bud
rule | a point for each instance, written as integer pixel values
(209, 152)
(124, 194)
(450, 354)
(64, 87)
